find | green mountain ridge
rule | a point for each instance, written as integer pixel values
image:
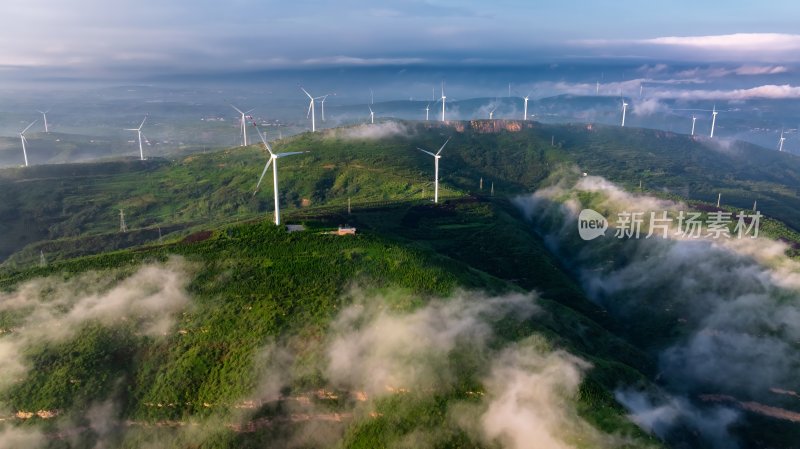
(263, 301)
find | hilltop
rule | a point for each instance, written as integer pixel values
(229, 323)
(368, 164)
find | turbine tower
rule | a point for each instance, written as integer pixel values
(525, 113)
(44, 116)
(427, 111)
(491, 113)
(713, 121)
(243, 124)
(444, 98)
(436, 158)
(324, 97)
(783, 139)
(139, 133)
(371, 115)
(273, 159)
(694, 120)
(24, 141)
(624, 109)
(310, 110)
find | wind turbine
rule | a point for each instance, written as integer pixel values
(44, 115)
(694, 120)
(24, 140)
(243, 124)
(310, 110)
(444, 98)
(427, 110)
(371, 115)
(525, 114)
(273, 159)
(139, 133)
(324, 97)
(624, 109)
(783, 139)
(436, 169)
(491, 113)
(713, 121)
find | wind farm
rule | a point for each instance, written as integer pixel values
(586, 263)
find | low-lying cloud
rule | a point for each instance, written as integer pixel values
(53, 310)
(372, 131)
(528, 393)
(730, 302)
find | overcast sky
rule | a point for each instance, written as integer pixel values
(95, 37)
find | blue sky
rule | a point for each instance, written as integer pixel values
(97, 37)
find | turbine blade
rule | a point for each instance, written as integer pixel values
(306, 92)
(249, 111)
(29, 126)
(426, 152)
(442, 148)
(308, 114)
(264, 172)
(291, 153)
(237, 109)
(145, 119)
(269, 148)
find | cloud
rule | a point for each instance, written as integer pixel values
(52, 310)
(355, 61)
(769, 91)
(371, 131)
(410, 350)
(740, 42)
(744, 70)
(660, 414)
(647, 107)
(734, 325)
(525, 392)
(15, 437)
(767, 47)
(529, 401)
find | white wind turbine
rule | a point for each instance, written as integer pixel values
(783, 139)
(371, 115)
(310, 110)
(139, 133)
(624, 109)
(323, 98)
(24, 141)
(525, 114)
(713, 121)
(44, 116)
(694, 120)
(273, 159)
(243, 124)
(444, 99)
(436, 157)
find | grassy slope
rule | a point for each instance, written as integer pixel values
(485, 237)
(52, 202)
(252, 285)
